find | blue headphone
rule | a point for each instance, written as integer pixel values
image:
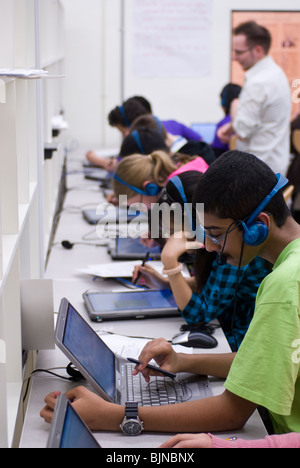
(179, 186)
(159, 126)
(126, 121)
(256, 232)
(136, 136)
(150, 189)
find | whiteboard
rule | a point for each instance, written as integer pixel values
(167, 50)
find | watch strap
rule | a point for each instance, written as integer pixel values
(131, 410)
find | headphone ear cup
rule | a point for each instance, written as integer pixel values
(255, 234)
(152, 189)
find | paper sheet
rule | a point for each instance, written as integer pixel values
(131, 347)
(123, 269)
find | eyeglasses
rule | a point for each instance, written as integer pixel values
(224, 236)
(241, 52)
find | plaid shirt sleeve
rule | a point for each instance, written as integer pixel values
(217, 296)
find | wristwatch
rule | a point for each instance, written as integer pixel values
(131, 424)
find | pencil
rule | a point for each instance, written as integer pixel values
(145, 259)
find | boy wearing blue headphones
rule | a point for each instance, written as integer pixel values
(245, 216)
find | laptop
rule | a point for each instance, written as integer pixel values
(113, 215)
(67, 429)
(131, 304)
(206, 131)
(96, 174)
(110, 374)
(129, 248)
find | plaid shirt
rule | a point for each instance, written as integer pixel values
(216, 299)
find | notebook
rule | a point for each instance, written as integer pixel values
(129, 248)
(111, 374)
(67, 429)
(138, 303)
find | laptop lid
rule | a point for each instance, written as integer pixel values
(130, 304)
(103, 369)
(128, 248)
(67, 429)
(86, 350)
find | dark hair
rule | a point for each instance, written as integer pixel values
(199, 148)
(144, 103)
(201, 259)
(132, 107)
(189, 180)
(150, 140)
(149, 121)
(255, 34)
(230, 92)
(235, 184)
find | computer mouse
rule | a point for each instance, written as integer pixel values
(195, 339)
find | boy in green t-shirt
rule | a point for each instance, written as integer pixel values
(245, 216)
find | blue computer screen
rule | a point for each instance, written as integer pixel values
(91, 352)
(75, 434)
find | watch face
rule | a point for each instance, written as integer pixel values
(132, 427)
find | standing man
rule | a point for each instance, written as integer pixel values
(261, 115)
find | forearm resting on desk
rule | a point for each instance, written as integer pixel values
(224, 412)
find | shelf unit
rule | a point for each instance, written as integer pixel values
(32, 31)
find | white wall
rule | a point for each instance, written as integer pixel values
(93, 44)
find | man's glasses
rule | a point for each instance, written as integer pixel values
(218, 241)
(240, 52)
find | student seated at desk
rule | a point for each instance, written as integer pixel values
(141, 141)
(175, 142)
(142, 177)
(212, 292)
(229, 93)
(245, 216)
(122, 117)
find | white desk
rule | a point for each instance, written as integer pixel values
(63, 267)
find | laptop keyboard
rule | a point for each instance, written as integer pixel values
(159, 391)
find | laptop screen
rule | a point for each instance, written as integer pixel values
(131, 300)
(90, 351)
(74, 432)
(206, 130)
(130, 245)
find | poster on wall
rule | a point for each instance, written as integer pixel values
(172, 38)
(284, 27)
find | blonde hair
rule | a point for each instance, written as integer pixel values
(136, 169)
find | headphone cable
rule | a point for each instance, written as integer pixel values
(235, 294)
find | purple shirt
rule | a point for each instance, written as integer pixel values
(177, 128)
(217, 143)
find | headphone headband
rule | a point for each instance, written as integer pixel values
(135, 134)
(151, 189)
(126, 121)
(281, 182)
(256, 232)
(179, 186)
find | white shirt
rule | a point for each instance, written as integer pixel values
(263, 115)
